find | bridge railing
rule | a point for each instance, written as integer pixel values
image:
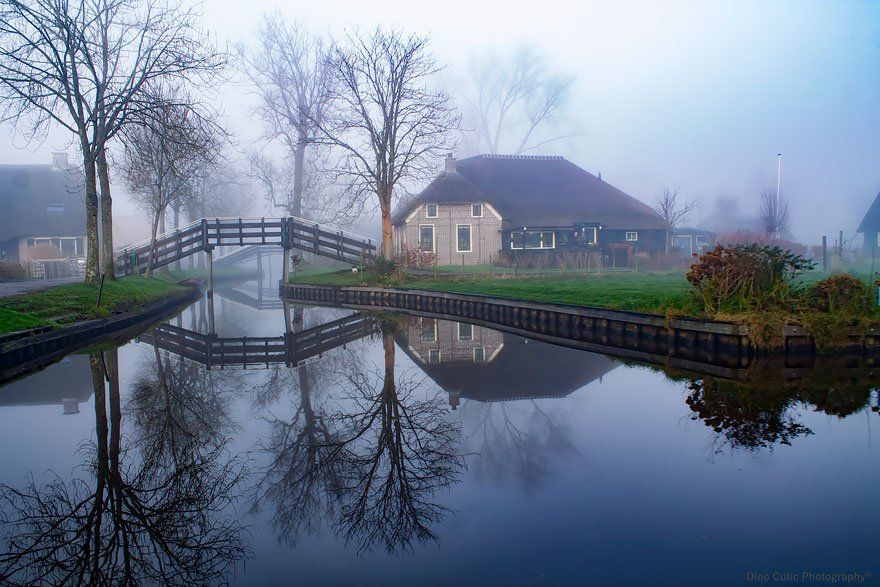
(207, 233)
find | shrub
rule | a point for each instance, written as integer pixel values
(10, 269)
(382, 268)
(416, 258)
(738, 278)
(843, 294)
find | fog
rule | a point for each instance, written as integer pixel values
(700, 95)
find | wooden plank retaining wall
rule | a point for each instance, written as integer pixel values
(700, 341)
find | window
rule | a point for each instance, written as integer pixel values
(587, 235)
(532, 239)
(702, 240)
(632, 236)
(433, 356)
(463, 242)
(430, 210)
(426, 237)
(479, 355)
(477, 210)
(429, 330)
(465, 331)
(55, 209)
(68, 247)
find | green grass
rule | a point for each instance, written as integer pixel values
(650, 292)
(76, 301)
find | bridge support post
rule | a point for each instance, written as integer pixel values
(210, 256)
(285, 273)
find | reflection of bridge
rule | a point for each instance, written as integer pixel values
(207, 233)
(290, 349)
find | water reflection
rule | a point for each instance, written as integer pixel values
(124, 520)
(369, 463)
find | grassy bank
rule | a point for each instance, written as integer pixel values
(73, 302)
(647, 292)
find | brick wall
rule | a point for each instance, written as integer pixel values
(426, 334)
(485, 233)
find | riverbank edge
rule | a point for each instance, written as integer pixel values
(563, 320)
(25, 354)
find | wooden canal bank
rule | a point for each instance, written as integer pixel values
(686, 343)
(21, 355)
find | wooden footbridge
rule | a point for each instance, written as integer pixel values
(290, 233)
(290, 349)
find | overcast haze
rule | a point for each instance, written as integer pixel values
(700, 95)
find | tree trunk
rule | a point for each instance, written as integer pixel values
(108, 261)
(153, 231)
(299, 157)
(387, 235)
(92, 242)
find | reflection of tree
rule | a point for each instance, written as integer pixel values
(745, 417)
(177, 407)
(515, 438)
(374, 463)
(302, 475)
(124, 522)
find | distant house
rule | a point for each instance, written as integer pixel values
(870, 227)
(43, 207)
(488, 205)
(480, 364)
(690, 241)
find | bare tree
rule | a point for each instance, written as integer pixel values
(389, 124)
(291, 73)
(84, 65)
(511, 100)
(774, 213)
(674, 209)
(162, 158)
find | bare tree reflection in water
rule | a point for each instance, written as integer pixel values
(518, 439)
(177, 407)
(123, 522)
(372, 465)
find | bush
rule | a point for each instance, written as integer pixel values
(416, 258)
(10, 269)
(843, 294)
(382, 268)
(740, 278)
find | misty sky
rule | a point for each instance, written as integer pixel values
(700, 95)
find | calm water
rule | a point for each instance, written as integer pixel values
(427, 453)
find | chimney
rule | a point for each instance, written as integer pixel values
(450, 163)
(59, 161)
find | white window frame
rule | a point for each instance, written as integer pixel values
(434, 331)
(483, 351)
(471, 337)
(702, 240)
(55, 209)
(524, 247)
(470, 248)
(436, 210)
(480, 215)
(433, 237)
(631, 236)
(439, 356)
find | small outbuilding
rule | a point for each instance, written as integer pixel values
(870, 227)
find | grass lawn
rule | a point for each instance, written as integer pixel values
(76, 301)
(654, 292)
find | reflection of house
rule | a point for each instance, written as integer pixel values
(517, 204)
(689, 241)
(511, 367)
(66, 383)
(44, 214)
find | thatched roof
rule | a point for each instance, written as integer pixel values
(871, 221)
(38, 200)
(535, 192)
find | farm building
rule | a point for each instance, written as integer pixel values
(513, 205)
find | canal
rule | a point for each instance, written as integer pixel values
(328, 447)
